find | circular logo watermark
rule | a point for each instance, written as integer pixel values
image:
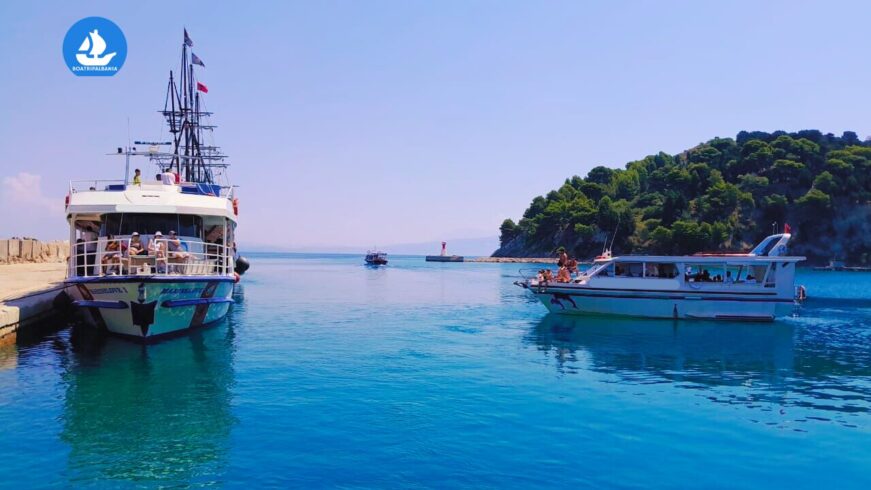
(95, 47)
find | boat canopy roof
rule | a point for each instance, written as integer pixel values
(151, 198)
(703, 259)
(771, 249)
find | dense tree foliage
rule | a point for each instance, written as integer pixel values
(721, 195)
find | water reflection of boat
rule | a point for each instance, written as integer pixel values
(155, 416)
(781, 363)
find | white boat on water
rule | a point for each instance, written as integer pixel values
(155, 257)
(757, 286)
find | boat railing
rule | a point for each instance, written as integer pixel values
(95, 185)
(157, 257)
(203, 189)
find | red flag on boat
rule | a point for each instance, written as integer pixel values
(787, 228)
(202, 87)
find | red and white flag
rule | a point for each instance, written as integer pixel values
(202, 87)
(787, 228)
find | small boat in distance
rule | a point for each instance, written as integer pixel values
(757, 286)
(375, 257)
(444, 257)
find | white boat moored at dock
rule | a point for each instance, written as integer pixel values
(156, 257)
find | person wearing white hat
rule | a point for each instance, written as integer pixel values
(157, 248)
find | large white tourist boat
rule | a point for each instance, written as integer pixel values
(757, 286)
(156, 257)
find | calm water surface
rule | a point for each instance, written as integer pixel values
(329, 373)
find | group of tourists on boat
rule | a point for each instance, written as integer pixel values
(568, 267)
(162, 249)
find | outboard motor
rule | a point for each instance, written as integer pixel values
(242, 265)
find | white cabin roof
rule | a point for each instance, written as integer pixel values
(704, 259)
(149, 198)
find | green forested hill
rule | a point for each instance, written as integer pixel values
(721, 195)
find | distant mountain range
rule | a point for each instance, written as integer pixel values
(472, 247)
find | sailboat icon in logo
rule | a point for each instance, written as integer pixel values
(91, 50)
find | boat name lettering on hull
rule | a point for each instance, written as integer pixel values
(117, 290)
(181, 291)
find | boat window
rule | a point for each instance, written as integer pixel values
(771, 275)
(657, 270)
(736, 274)
(628, 269)
(147, 223)
(713, 272)
(602, 270)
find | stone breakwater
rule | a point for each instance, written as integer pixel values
(18, 251)
(515, 260)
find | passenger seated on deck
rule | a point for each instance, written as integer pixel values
(563, 275)
(157, 248)
(548, 276)
(729, 279)
(175, 251)
(111, 255)
(706, 276)
(751, 279)
(136, 246)
(157, 245)
(174, 247)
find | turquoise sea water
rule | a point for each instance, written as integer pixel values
(330, 373)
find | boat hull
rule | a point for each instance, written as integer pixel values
(657, 304)
(152, 306)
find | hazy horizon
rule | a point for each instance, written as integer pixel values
(353, 123)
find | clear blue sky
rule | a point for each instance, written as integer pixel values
(366, 122)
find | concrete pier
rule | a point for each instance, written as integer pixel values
(27, 293)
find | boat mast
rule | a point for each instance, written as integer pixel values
(183, 111)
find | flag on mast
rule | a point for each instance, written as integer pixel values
(196, 60)
(202, 87)
(187, 39)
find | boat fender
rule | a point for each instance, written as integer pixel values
(801, 293)
(236, 206)
(236, 277)
(242, 265)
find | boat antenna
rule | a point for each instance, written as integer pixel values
(611, 247)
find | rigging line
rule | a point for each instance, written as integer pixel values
(616, 228)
